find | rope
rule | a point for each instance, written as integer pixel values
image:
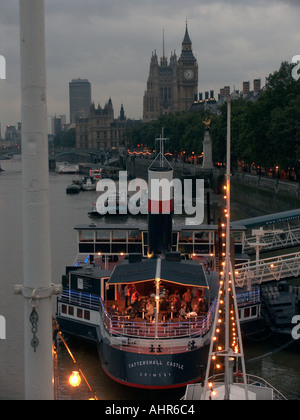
(271, 353)
(57, 332)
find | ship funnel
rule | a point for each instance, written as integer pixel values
(160, 204)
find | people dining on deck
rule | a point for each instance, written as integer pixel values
(134, 297)
(149, 310)
(113, 310)
(176, 301)
(127, 292)
(182, 312)
(187, 297)
(171, 305)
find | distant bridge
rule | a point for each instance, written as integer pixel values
(76, 156)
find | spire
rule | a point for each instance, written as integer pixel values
(163, 60)
(187, 52)
(187, 39)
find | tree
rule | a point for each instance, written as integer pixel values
(65, 139)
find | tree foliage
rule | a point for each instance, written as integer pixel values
(265, 132)
(65, 139)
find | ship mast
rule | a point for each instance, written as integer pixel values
(226, 341)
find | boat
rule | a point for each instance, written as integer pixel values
(162, 351)
(138, 347)
(113, 205)
(74, 188)
(66, 168)
(89, 183)
(150, 342)
(95, 174)
(6, 156)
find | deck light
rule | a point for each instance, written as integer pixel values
(75, 379)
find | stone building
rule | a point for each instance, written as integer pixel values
(102, 130)
(172, 86)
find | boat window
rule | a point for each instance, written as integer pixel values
(135, 248)
(237, 236)
(103, 236)
(185, 237)
(64, 309)
(246, 312)
(87, 315)
(134, 236)
(86, 236)
(119, 236)
(71, 310)
(79, 313)
(202, 236)
(253, 310)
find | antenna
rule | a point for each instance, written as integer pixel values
(160, 158)
(163, 43)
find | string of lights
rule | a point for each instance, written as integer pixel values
(77, 374)
(226, 343)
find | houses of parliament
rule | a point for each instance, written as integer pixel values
(172, 86)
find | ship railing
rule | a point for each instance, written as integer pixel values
(122, 326)
(238, 378)
(87, 300)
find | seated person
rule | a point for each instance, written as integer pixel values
(149, 310)
(113, 310)
(182, 312)
(131, 311)
(138, 306)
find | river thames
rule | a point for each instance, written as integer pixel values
(281, 369)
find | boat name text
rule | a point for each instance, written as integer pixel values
(156, 363)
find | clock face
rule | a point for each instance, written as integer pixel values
(188, 74)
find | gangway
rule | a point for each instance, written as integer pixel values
(272, 240)
(268, 269)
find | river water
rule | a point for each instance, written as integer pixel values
(66, 211)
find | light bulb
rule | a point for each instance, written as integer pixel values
(75, 379)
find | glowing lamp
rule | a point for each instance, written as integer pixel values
(75, 379)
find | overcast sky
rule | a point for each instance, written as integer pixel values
(110, 42)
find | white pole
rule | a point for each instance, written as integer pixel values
(227, 258)
(37, 289)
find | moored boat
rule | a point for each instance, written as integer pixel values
(66, 168)
(162, 350)
(89, 183)
(73, 188)
(152, 341)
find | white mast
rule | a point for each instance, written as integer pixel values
(37, 289)
(227, 293)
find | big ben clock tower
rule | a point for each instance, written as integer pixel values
(171, 86)
(187, 75)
